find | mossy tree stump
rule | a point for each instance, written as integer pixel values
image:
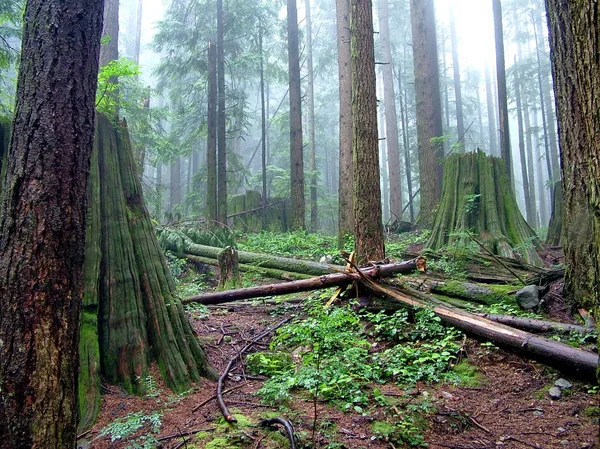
(131, 316)
(477, 198)
(229, 269)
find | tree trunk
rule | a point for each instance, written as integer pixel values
(478, 199)
(211, 146)
(296, 147)
(368, 226)
(221, 122)
(555, 228)
(311, 122)
(505, 153)
(263, 131)
(391, 120)
(129, 283)
(345, 181)
(429, 110)
(42, 223)
(175, 189)
(575, 45)
(138, 32)
(460, 123)
(405, 139)
(229, 269)
(493, 130)
(109, 51)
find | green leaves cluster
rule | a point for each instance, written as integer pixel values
(108, 98)
(123, 428)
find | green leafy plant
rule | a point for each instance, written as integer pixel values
(126, 427)
(107, 97)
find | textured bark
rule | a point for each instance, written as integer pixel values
(311, 121)
(42, 223)
(296, 147)
(346, 183)
(229, 269)
(505, 153)
(429, 109)
(391, 120)
(221, 122)
(460, 123)
(368, 229)
(478, 199)
(128, 281)
(211, 147)
(555, 228)
(575, 44)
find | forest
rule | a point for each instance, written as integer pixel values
(335, 224)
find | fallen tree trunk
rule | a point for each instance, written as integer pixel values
(315, 283)
(186, 245)
(534, 325)
(575, 361)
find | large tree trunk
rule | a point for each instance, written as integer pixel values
(311, 121)
(296, 147)
(492, 129)
(42, 224)
(575, 45)
(368, 227)
(555, 228)
(391, 120)
(346, 209)
(211, 147)
(460, 123)
(478, 199)
(505, 153)
(429, 108)
(129, 285)
(221, 122)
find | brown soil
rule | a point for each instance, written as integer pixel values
(510, 408)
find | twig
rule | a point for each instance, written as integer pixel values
(481, 426)
(289, 429)
(224, 410)
(214, 396)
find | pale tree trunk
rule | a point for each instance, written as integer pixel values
(429, 110)
(296, 148)
(541, 188)
(406, 143)
(345, 181)
(263, 129)
(505, 152)
(311, 122)
(138, 32)
(446, 94)
(391, 120)
(211, 147)
(460, 123)
(221, 122)
(109, 51)
(575, 45)
(368, 229)
(530, 212)
(175, 186)
(489, 94)
(43, 224)
(383, 168)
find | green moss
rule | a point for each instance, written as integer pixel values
(221, 443)
(89, 372)
(467, 374)
(382, 428)
(592, 411)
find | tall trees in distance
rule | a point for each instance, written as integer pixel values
(368, 229)
(502, 90)
(345, 192)
(391, 120)
(460, 122)
(221, 130)
(42, 223)
(311, 121)
(211, 125)
(429, 108)
(296, 148)
(575, 45)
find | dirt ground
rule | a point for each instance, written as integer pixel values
(510, 408)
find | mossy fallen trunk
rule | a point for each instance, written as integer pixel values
(477, 198)
(129, 289)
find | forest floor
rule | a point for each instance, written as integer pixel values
(502, 401)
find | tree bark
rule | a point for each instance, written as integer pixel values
(575, 45)
(460, 123)
(505, 152)
(346, 178)
(391, 119)
(330, 280)
(221, 122)
(211, 147)
(109, 51)
(311, 122)
(555, 228)
(429, 109)
(368, 226)
(493, 150)
(42, 223)
(296, 147)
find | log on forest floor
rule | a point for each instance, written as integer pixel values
(325, 281)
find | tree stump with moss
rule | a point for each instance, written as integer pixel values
(229, 269)
(477, 200)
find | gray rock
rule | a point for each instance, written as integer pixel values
(563, 384)
(528, 297)
(555, 393)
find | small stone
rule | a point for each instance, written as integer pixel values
(227, 338)
(538, 412)
(447, 395)
(564, 443)
(555, 393)
(528, 297)
(563, 384)
(561, 430)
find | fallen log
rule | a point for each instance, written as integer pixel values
(535, 325)
(315, 283)
(575, 362)
(186, 245)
